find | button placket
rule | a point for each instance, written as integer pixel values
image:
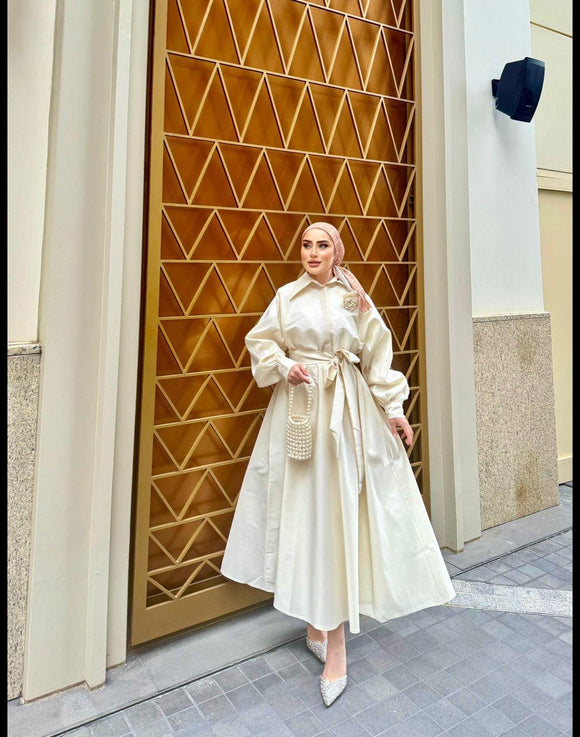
(326, 312)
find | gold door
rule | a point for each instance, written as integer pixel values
(265, 115)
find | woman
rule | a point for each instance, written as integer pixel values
(338, 528)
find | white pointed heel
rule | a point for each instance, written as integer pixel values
(331, 690)
(318, 648)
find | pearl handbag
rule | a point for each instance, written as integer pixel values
(299, 429)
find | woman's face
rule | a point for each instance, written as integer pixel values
(317, 254)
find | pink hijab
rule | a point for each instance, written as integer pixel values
(344, 275)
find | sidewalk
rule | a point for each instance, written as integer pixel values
(496, 661)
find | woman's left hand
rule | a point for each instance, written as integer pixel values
(403, 423)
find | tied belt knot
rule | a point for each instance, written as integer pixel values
(342, 373)
(339, 356)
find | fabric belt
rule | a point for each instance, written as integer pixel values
(340, 370)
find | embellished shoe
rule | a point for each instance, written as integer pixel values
(331, 690)
(318, 648)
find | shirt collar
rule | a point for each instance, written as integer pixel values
(305, 280)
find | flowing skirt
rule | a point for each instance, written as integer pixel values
(345, 532)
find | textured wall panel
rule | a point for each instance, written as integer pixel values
(516, 432)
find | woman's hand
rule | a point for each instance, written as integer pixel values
(298, 375)
(402, 422)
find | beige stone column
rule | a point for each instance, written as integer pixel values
(89, 316)
(453, 469)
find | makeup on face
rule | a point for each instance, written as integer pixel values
(317, 254)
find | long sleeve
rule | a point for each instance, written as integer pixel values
(265, 344)
(389, 387)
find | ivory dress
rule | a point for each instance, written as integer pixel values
(346, 531)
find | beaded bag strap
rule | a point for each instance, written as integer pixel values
(308, 402)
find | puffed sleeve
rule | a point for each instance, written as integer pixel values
(389, 387)
(265, 344)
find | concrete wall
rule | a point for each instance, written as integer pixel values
(512, 356)
(551, 41)
(88, 329)
(453, 469)
(557, 250)
(30, 27)
(506, 267)
(551, 30)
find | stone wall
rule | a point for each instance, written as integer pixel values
(23, 384)
(516, 430)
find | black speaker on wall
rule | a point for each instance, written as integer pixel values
(517, 92)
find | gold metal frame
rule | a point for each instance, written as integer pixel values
(425, 487)
(248, 143)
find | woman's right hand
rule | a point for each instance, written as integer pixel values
(298, 375)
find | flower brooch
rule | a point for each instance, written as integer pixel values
(350, 301)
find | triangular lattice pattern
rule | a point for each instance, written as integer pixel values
(277, 113)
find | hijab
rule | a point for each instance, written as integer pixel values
(343, 275)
